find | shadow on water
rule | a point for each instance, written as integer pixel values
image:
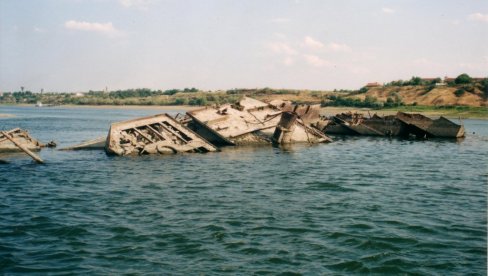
(343, 138)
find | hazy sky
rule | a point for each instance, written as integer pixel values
(78, 45)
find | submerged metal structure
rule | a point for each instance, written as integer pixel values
(401, 124)
(250, 121)
(22, 137)
(154, 134)
(19, 140)
(423, 126)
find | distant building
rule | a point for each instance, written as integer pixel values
(79, 94)
(373, 84)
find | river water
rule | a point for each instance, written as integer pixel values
(357, 205)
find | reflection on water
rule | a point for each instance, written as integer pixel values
(357, 205)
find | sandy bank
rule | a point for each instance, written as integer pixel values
(6, 115)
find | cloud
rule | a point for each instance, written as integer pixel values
(139, 4)
(316, 61)
(338, 47)
(313, 43)
(388, 10)
(103, 28)
(478, 17)
(309, 51)
(281, 48)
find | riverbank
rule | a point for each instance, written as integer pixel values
(455, 112)
(430, 111)
(133, 107)
(136, 107)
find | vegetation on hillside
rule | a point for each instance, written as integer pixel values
(393, 94)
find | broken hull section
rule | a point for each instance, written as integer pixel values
(22, 137)
(249, 122)
(95, 144)
(423, 126)
(158, 134)
(401, 124)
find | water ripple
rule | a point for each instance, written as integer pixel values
(357, 206)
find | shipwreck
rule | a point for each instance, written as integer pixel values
(154, 134)
(401, 124)
(422, 126)
(19, 140)
(250, 121)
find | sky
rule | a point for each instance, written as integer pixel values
(81, 45)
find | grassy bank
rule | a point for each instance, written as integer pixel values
(446, 111)
(430, 111)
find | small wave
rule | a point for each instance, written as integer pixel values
(325, 186)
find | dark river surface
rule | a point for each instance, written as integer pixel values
(357, 205)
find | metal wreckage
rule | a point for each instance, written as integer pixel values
(402, 125)
(19, 140)
(246, 122)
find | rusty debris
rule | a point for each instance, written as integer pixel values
(22, 137)
(250, 121)
(423, 126)
(401, 124)
(94, 144)
(19, 140)
(154, 134)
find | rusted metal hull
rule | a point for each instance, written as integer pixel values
(309, 114)
(339, 130)
(423, 126)
(291, 129)
(158, 134)
(18, 140)
(402, 124)
(95, 144)
(247, 122)
(22, 137)
(386, 126)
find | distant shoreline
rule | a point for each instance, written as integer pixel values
(137, 107)
(429, 111)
